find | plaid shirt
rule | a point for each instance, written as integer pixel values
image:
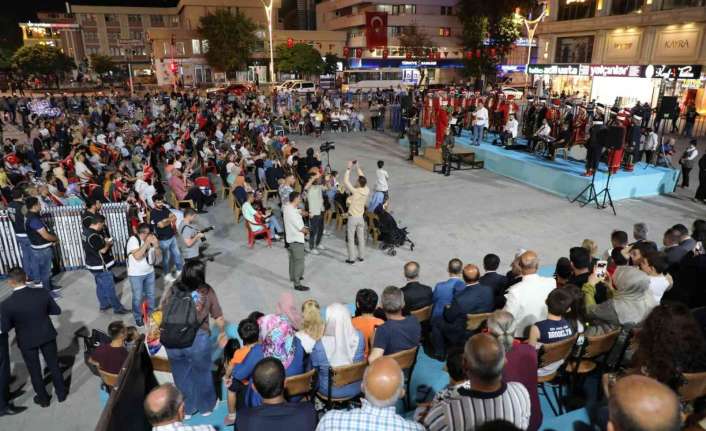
(366, 418)
(178, 426)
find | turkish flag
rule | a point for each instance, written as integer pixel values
(375, 29)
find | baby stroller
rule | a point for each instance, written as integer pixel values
(391, 235)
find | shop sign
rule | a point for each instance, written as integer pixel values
(664, 71)
(669, 71)
(677, 43)
(622, 47)
(554, 69)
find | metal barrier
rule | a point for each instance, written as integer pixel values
(65, 223)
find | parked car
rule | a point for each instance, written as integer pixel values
(303, 87)
(286, 85)
(237, 88)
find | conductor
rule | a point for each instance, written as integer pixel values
(594, 147)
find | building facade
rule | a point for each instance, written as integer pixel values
(436, 19)
(632, 50)
(55, 29)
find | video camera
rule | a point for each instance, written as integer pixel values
(327, 146)
(205, 230)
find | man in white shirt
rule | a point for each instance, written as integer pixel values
(381, 185)
(142, 251)
(526, 299)
(510, 130)
(295, 231)
(543, 131)
(480, 123)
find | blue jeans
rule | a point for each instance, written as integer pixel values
(274, 225)
(477, 134)
(105, 290)
(191, 368)
(41, 264)
(26, 249)
(169, 249)
(142, 288)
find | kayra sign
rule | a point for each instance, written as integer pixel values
(618, 70)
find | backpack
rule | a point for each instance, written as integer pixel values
(180, 323)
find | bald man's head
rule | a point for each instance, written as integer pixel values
(639, 403)
(383, 383)
(529, 262)
(484, 358)
(164, 405)
(471, 274)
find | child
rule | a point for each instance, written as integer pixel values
(382, 177)
(655, 265)
(555, 327)
(249, 332)
(366, 301)
(457, 380)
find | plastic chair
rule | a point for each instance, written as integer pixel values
(373, 226)
(476, 320)
(341, 216)
(339, 377)
(406, 359)
(548, 354)
(253, 235)
(109, 380)
(237, 210)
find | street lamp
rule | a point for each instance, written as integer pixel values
(531, 26)
(268, 14)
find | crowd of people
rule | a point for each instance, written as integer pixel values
(162, 154)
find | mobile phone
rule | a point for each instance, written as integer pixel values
(601, 268)
(355, 162)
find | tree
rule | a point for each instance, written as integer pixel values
(231, 39)
(492, 22)
(42, 60)
(301, 59)
(331, 63)
(416, 42)
(102, 64)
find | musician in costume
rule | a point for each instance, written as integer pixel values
(617, 145)
(594, 146)
(442, 123)
(580, 120)
(634, 139)
(446, 152)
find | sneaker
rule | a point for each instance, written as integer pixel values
(350, 262)
(120, 311)
(187, 417)
(229, 419)
(314, 251)
(177, 275)
(321, 247)
(169, 278)
(208, 413)
(276, 237)
(360, 259)
(301, 288)
(327, 233)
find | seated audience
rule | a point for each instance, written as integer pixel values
(520, 361)
(312, 325)
(366, 301)
(249, 333)
(563, 271)
(110, 357)
(164, 410)
(641, 403)
(484, 357)
(416, 294)
(340, 345)
(275, 412)
(475, 298)
(655, 265)
(399, 332)
(444, 291)
(555, 327)
(492, 279)
(580, 265)
(526, 299)
(383, 386)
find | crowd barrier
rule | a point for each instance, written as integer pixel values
(65, 223)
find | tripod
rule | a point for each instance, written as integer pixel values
(328, 159)
(592, 194)
(606, 194)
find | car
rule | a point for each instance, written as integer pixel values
(286, 85)
(515, 93)
(237, 88)
(303, 87)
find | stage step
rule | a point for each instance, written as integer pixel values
(432, 157)
(425, 163)
(433, 154)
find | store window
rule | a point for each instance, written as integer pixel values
(173, 20)
(623, 7)
(114, 51)
(134, 19)
(156, 21)
(444, 31)
(678, 4)
(204, 46)
(569, 9)
(91, 50)
(111, 19)
(404, 9)
(574, 49)
(88, 19)
(195, 46)
(447, 10)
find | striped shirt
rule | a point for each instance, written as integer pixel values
(178, 426)
(366, 418)
(472, 409)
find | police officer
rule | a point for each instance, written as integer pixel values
(41, 243)
(414, 133)
(17, 213)
(99, 259)
(446, 150)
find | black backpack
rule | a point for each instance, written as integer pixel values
(180, 323)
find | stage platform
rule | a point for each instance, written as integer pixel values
(563, 177)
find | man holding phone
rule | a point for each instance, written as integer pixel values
(356, 209)
(99, 260)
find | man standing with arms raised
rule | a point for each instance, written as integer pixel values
(356, 209)
(295, 231)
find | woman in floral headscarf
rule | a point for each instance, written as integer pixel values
(277, 340)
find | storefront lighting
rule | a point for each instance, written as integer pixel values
(599, 5)
(648, 2)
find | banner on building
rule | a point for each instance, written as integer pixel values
(375, 29)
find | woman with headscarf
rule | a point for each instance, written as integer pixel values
(340, 345)
(629, 301)
(277, 340)
(312, 325)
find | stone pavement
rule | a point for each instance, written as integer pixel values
(466, 215)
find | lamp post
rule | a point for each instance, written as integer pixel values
(531, 27)
(268, 14)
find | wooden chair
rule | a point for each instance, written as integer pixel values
(373, 226)
(549, 354)
(226, 191)
(161, 364)
(341, 216)
(178, 204)
(269, 192)
(301, 385)
(593, 348)
(265, 231)
(339, 377)
(406, 359)
(423, 314)
(328, 216)
(109, 380)
(237, 210)
(476, 320)
(695, 386)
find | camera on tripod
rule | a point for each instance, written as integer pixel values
(327, 146)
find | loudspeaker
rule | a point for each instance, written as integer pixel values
(405, 102)
(667, 107)
(615, 137)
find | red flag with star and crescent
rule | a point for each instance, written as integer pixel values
(376, 29)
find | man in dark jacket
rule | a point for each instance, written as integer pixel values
(416, 294)
(28, 312)
(495, 281)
